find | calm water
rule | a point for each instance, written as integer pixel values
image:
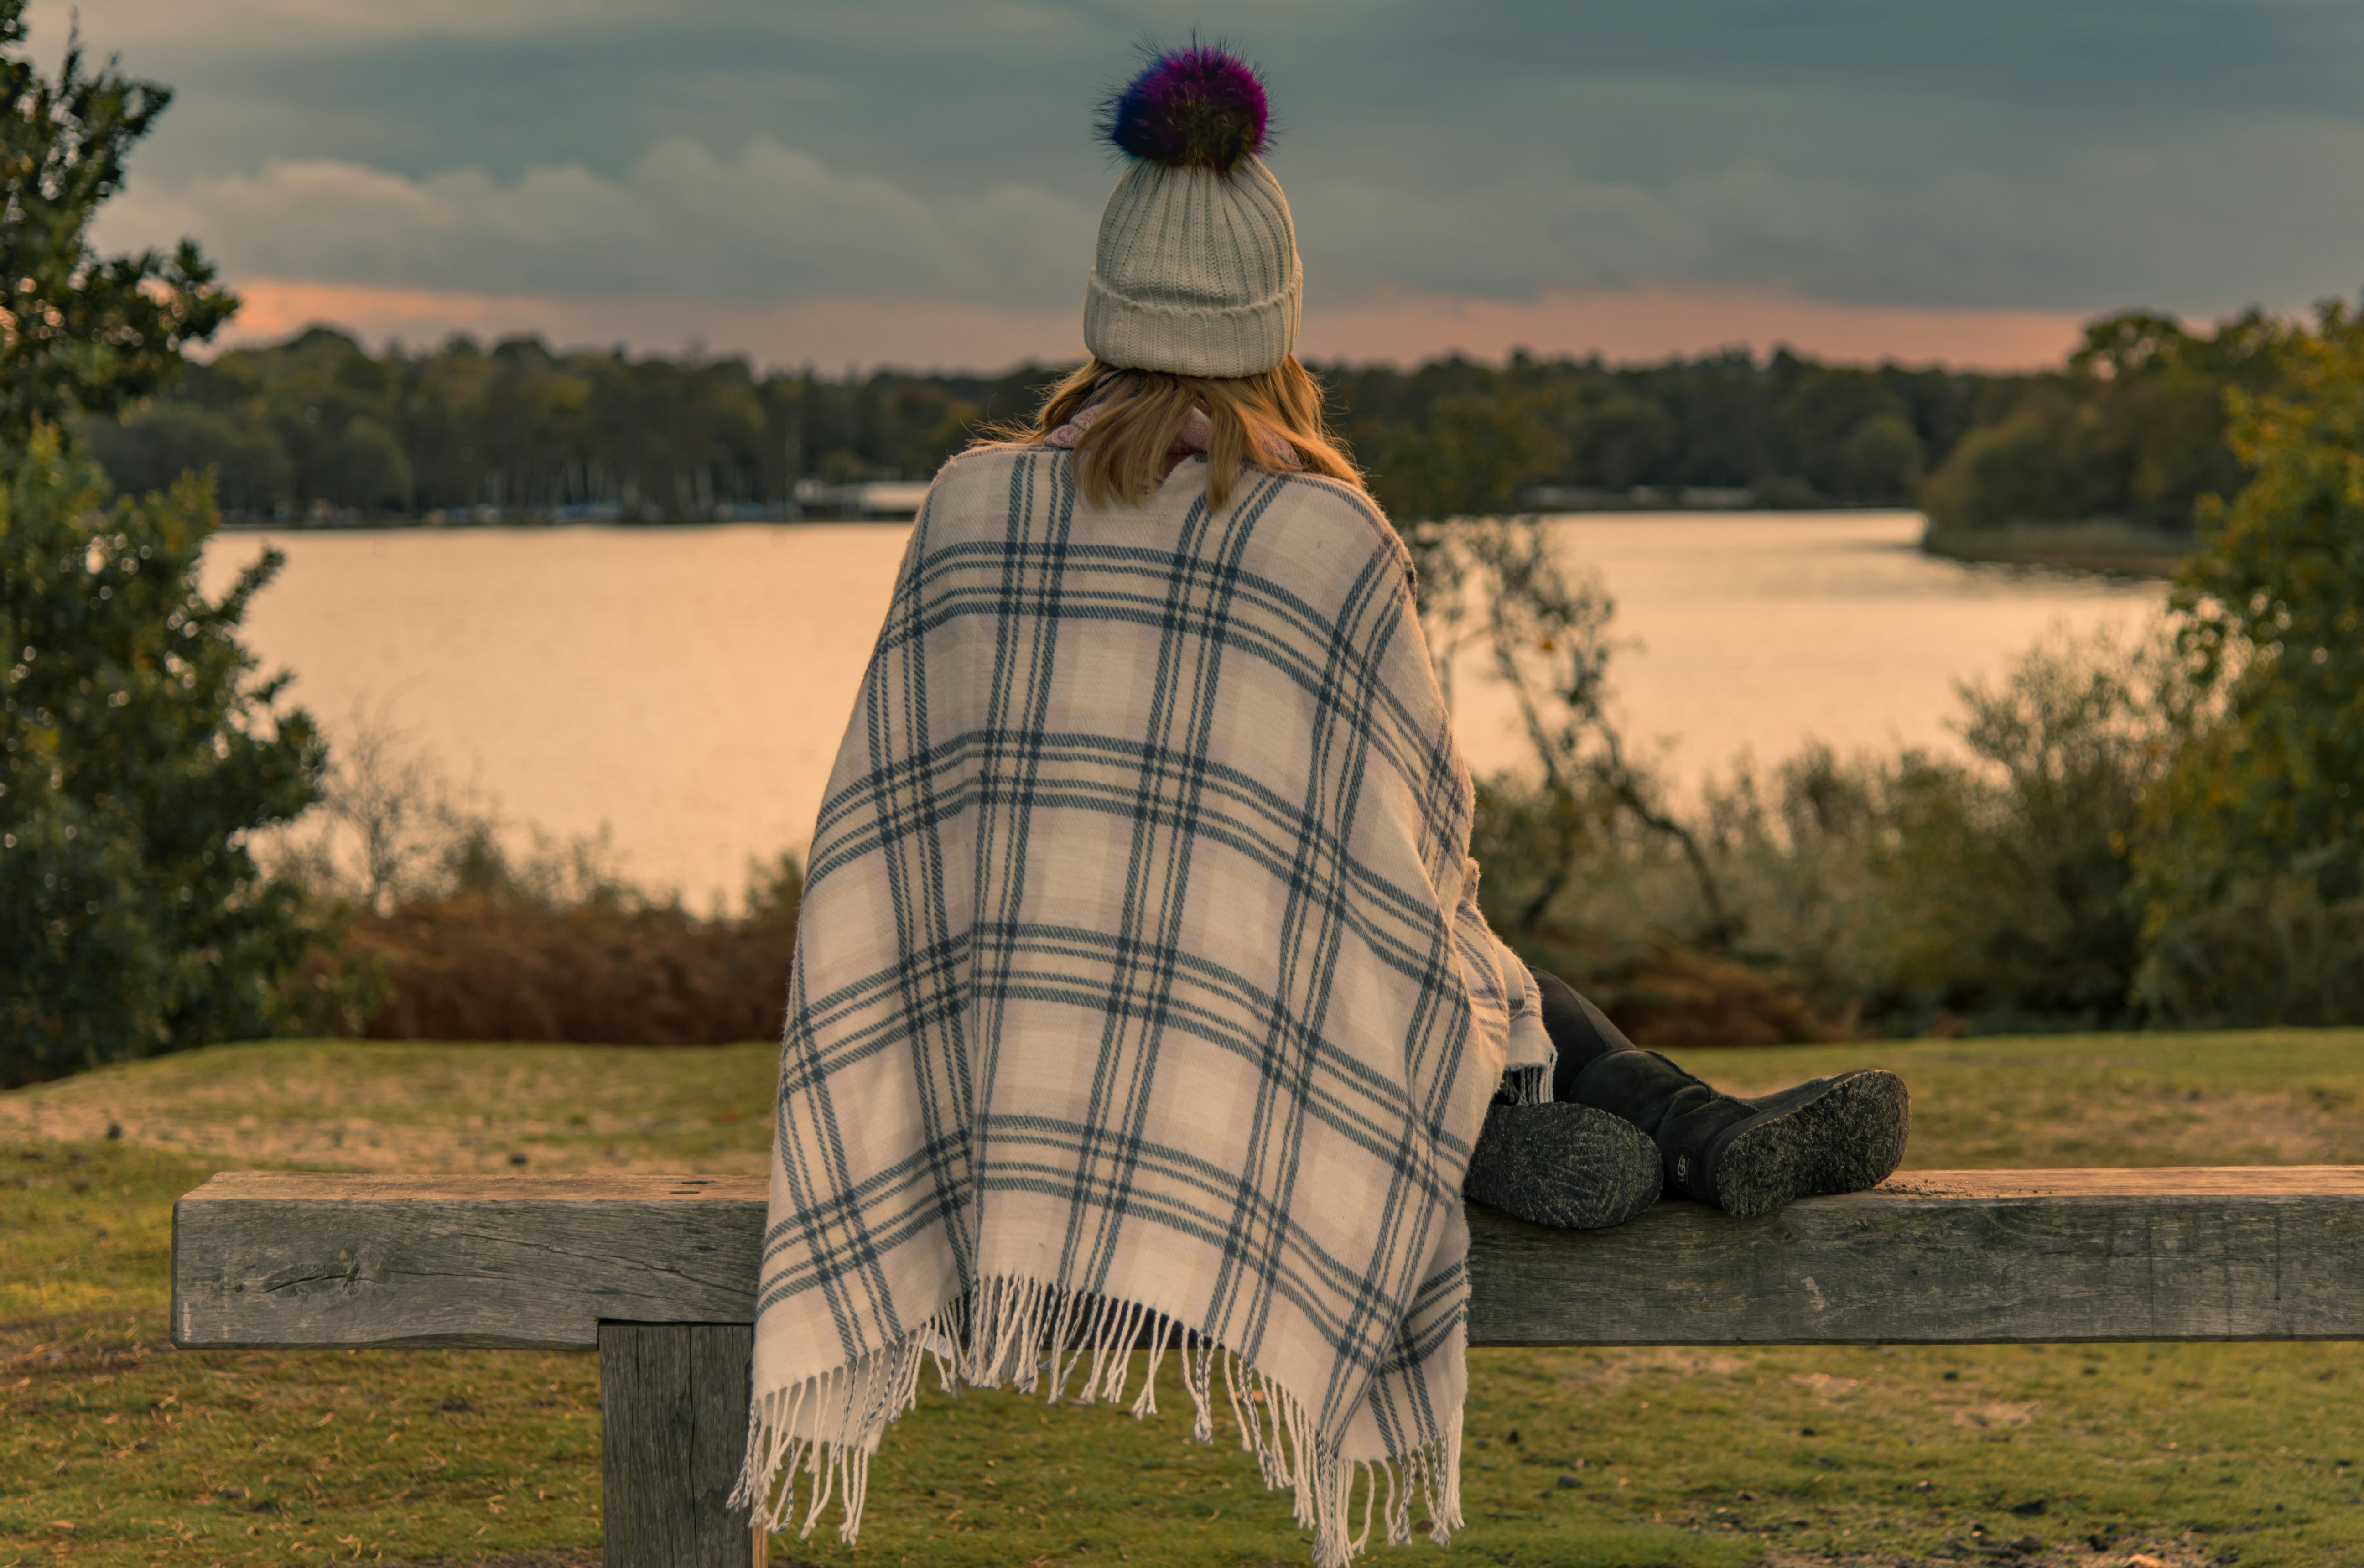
(685, 688)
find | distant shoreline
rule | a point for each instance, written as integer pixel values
(1617, 508)
(2103, 548)
(2107, 549)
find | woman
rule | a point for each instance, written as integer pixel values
(1140, 993)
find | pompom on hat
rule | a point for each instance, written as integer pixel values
(1197, 269)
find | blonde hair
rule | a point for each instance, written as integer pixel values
(1120, 458)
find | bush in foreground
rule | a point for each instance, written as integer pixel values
(137, 749)
(491, 960)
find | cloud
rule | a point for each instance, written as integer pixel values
(827, 331)
(2191, 155)
(1637, 324)
(768, 223)
(2190, 221)
(1652, 321)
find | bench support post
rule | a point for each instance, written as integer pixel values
(673, 1426)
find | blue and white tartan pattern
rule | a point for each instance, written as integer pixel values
(1140, 995)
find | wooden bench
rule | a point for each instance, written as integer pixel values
(658, 1274)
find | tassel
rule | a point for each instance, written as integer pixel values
(1017, 1332)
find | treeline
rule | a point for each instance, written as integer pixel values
(318, 428)
(1454, 436)
(2130, 430)
(2129, 436)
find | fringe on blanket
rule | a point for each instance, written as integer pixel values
(1028, 1336)
(1528, 1086)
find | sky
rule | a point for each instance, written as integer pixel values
(917, 181)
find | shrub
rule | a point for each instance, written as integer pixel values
(1892, 894)
(449, 934)
(2272, 611)
(2268, 949)
(2133, 432)
(1994, 894)
(138, 749)
(2255, 882)
(489, 962)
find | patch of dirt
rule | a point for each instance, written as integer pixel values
(1826, 1387)
(1995, 1414)
(1606, 1372)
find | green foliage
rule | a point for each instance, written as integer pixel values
(2256, 897)
(2132, 432)
(1893, 894)
(2273, 610)
(1847, 433)
(2004, 891)
(318, 428)
(2011, 881)
(137, 752)
(1475, 455)
(136, 749)
(1455, 439)
(2167, 834)
(2007, 473)
(79, 332)
(2265, 949)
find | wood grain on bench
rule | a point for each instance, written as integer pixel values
(2270, 1252)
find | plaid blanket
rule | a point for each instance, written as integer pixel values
(1141, 998)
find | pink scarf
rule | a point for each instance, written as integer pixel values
(1195, 435)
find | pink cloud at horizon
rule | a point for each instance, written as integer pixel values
(1646, 323)
(1655, 321)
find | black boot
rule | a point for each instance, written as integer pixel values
(1746, 1156)
(1570, 1167)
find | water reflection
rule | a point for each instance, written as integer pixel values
(687, 687)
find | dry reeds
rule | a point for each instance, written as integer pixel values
(481, 968)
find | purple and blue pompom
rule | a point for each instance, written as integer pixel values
(1200, 107)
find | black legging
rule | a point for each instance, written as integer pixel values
(1580, 1032)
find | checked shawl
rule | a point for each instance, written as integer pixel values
(1140, 998)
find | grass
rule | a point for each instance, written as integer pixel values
(114, 1449)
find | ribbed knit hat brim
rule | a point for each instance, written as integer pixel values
(1196, 273)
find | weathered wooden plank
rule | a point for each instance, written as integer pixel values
(1934, 1257)
(1950, 1257)
(673, 1426)
(286, 1258)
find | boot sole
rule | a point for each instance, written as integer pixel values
(1849, 1138)
(1570, 1167)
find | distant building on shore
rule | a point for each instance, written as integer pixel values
(873, 500)
(1641, 498)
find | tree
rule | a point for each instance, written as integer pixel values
(2272, 613)
(79, 332)
(1473, 456)
(2256, 897)
(137, 754)
(2132, 432)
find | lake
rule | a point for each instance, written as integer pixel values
(684, 688)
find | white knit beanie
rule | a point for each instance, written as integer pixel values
(1197, 269)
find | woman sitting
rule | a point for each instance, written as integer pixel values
(1140, 993)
